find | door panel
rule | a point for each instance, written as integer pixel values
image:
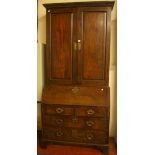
(60, 36)
(61, 58)
(93, 58)
(93, 45)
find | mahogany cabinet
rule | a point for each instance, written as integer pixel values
(75, 99)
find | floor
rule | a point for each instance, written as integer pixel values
(74, 150)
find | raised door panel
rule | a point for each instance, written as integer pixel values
(94, 33)
(60, 35)
(61, 46)
(93, 57)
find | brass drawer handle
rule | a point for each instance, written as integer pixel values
(59, 110)
(90, 136)
(90, 123)
(90, 112)
(59, 121)
(59, 133)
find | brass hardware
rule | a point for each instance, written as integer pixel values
(75, 90)
(59, 121)
(90, 111)
(90, 136)
(75, 46)
(90, 123)
(79, 45)
(59, 110)
(59, 133)
(48, 11)
(102, 89)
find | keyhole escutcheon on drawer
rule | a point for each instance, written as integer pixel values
(59, 133)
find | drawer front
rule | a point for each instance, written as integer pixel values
(76, 122)
(76, 135)
(57, 134)
(90, 136)
(79, 110)
(92, 111)
(57, 109)
(96, 123)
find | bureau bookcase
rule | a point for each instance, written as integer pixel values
(76, 95)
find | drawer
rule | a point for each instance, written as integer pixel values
(92, 111)
(90, 136)
(76, 135)
(57, 109)
(96, 123)
(76, 122)
(57, 134)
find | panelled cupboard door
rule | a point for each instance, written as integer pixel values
(93, 37)
(61, 25)
(78, 45)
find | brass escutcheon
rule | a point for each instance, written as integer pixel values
(75, 90)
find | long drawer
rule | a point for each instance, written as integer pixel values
(76, 122)
(75, 135)
(93, 111)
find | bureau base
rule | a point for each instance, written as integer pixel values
(78, 118)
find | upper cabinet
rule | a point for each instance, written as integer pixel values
(78, 44)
